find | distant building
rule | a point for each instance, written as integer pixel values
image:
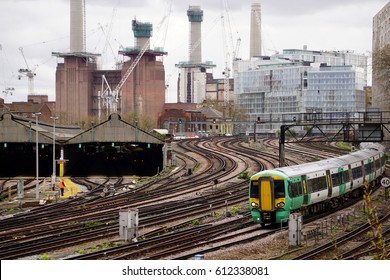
(335, 89)
(300, 81)
(182, 119)
(83, 91)
(189, 119)
(35, 104)
(215, 88)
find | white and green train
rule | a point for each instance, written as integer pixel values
(315, 186)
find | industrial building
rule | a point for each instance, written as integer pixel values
(82, 90)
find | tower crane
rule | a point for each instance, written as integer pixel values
(227, 34)
(108, 35)
(226, 71)
(29, 73)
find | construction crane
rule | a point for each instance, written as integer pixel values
(226, 71)
(29, 73)
(234, 48)
(227, 34)
(108, 35)
(6, 91)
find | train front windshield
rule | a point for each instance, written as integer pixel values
(254, 189)
(279, 189)
(278, 186)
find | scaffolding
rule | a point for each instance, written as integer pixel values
(142, 29)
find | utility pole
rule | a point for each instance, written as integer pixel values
(53, 177)
(36, 115)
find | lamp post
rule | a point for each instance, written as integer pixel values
(53, 177)
(36, 115)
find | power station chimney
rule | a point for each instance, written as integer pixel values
(77, 25)
(142, 33)
(255, 32)
(195, 17)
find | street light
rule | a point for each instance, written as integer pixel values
(36, 115)
(53, 177)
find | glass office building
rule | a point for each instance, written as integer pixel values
(335, 89)
(300, 81)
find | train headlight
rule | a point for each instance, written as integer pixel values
(254, 204)
(280, 204)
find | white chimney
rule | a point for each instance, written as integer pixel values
(77, 26)
(255, 32)
(195, 17)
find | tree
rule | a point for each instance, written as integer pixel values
(142, 121)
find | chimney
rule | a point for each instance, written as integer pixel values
(195, 17)
(142, 33)
(255, 31)
(77, 26)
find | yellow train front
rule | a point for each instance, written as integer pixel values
(267, 197)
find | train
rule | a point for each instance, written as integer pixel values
(313, 187)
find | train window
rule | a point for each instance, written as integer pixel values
(254, 189)
(279, 188)
(367, 168)
(316, 184)
(384, 160)
(357, 172)
(336, 179)
(294, 189)
(346, 176)
(377, 163)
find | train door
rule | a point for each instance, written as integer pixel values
(350, 177)
(305, 193)
(343, 179)
(266, 193)
(328, 183)
(370, 170)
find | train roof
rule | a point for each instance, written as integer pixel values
(331, 163)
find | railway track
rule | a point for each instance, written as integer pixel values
(163, 202)
(341, 248)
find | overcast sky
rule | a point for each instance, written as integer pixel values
(41, 27)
